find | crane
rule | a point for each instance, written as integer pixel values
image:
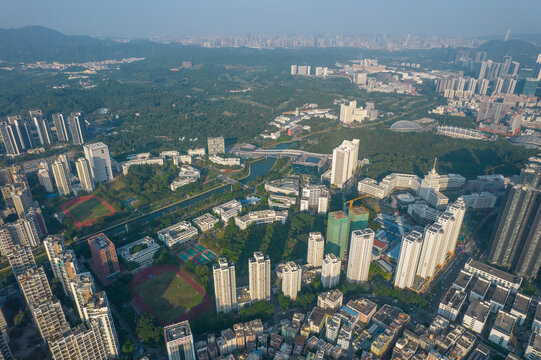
(350, 202)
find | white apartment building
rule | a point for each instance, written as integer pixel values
(186, 175)
(451, 303)
(261, 217)
(197, 152)
(291, 280)
(84, 175)
(98, 315)
(408, 261)
(61, 179)
(360, 255)
(144, 256)
(502, 330)
(315, 198)
(493, 275)
(178, 233)
(458, 209)
(179, 341)
(433, 245)
(259, 277)
(316, 249)
(205, 222)
(330, 271)
(141, 161)
(228, 210)
(344, 162)
(478, 201)
(182, 159)
(99, 160)
(225, 286)
(331, 299)
(44, 177)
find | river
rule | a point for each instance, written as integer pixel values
(258, 168)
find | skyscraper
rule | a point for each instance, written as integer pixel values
(179, 341)
(291, 280)
(98, 315)
(77, 129)
(22, 200)
(61, 178)
(408, 261)
(330, 271)
(44, 177)
(433, 245)
(358, 218)
(61, 128)
(85, 177)
(225, 286)
(508, 239)
(11, 141)
(316, 248)
(360, 255)
(63, 262)
(260, 277)
(99, 160)
(458, 209)
(43, 133)
(344, 162)
(104, 256)
(337, 234)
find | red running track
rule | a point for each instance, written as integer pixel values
(143, 276)
(64, 207)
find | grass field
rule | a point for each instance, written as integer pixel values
(168, 295)
(88, 210)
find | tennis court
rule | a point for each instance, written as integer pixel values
(198, 254)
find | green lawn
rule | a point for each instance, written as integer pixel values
(169, 295)
(88, 210)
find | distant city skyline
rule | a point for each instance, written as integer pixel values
(175, 19)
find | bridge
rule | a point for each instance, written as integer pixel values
(253, 152)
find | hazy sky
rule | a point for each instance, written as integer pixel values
(176, 18)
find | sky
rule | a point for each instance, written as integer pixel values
(179, 18)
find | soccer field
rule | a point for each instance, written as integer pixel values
(169, 295)
(88, 210)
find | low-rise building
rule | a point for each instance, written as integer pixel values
(533, 350)
(140, 159)
(451, 303)
(225, 161)
(499, 298)
(180, 233)
(493, 275)
(228, 210)
(140, 251)
(205, 222)
(331, 299)
(480, 289)
(281, 201)
(502, 330)
(388, 185)
(476, 316)
(480, 201)
(462, 280)
(520, 307)
(287, 186)
(186, 175)
(260, 217)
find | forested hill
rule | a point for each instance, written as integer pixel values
(521, 51)
(38, 43)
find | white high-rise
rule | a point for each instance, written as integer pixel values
(330, 271)
(316, 248)
(98, 315)
(433, 246)
(179, 341)
(83, 172)
(408, 261)
(315, 198)
(99, 160)
(344, 162)
(225, 286)
(458, 209)
(44, 177)
(360, 255)
(61, 178)
(447, 221)
(291, 280)
(260, 277)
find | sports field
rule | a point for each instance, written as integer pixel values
(169, 295)
(85, 210)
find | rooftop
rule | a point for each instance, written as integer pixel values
(478, 310)
(504, 323)
(177, 331)
(481, 287)
(500, 295)
(453, 298)
(100, 241)
(493, 271)
(463, 279)
(521, 304)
